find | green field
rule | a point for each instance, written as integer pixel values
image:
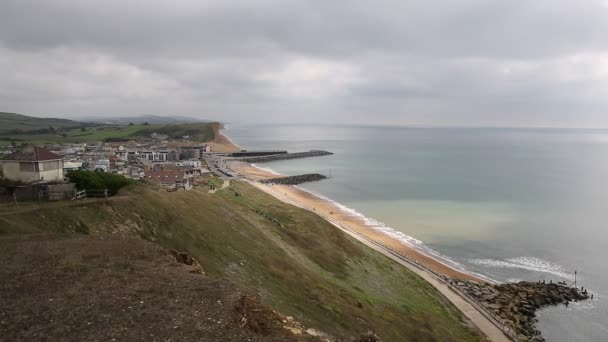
(289, 258)
(22, 129)
(18, 122)
(197, 131)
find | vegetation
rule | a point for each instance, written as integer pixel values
(9, 184)
(23, 129)
(91, 180)
(289, 258)
(215, 182)
(195, 131)
(12, 123)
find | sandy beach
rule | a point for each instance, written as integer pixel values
(337, 215)
(356, 227)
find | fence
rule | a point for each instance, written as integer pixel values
(50, 192)
(96, 193)
(491, 316)
(37, 192)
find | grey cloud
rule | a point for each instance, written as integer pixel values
(409, 62)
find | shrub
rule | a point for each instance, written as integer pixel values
(91, 180)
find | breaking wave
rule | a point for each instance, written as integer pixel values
(527, 263)
(266, 169)
(397, 235)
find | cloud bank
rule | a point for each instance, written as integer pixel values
(454, 62)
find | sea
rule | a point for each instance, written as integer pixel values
(510, 204)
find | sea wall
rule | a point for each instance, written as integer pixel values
(286, 156)
(295, 180)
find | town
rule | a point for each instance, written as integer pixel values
(41, 171)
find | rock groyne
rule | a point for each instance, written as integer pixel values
(285, 156)
(295, 180)
(516, 303)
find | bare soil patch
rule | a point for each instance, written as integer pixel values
(109, 288)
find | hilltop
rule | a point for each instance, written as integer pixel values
(13, 123)
(284, 257)
(111, 287)
(23, 129)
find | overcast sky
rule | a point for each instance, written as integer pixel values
(469, 62)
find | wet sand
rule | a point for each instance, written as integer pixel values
(344, 219)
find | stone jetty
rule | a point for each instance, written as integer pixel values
(515, 304)
(284, 156)
(295, 180)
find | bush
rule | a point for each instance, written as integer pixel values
(9, 184)
(91, 180)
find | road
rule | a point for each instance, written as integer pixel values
(218, 166)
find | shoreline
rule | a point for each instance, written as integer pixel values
(427, 267)
(346, 219)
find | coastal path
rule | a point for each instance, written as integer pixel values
(471, 310)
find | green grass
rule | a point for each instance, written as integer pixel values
(215, 182)
(201, 132)
(288, 257)
(13, 121)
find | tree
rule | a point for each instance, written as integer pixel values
(131, 124)
(90, 180)
(64, 135)
(83, 129)
(52, 130)
(146, 123)
(13, 143)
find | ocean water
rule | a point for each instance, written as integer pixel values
(510, 204)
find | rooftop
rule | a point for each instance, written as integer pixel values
(33, 153)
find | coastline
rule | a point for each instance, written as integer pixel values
(346, 220)
(357, 227)
(428, 267)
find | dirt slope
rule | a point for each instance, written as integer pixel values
(110, 288)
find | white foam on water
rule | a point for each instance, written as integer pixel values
(397, 235)
(527, 263)
(266, 169)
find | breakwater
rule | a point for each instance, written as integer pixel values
(295, 180)
(515, 304)
(258, 153)
(284, 156)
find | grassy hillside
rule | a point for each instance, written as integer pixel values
(13, 123)
(27, 129)
(289, 258)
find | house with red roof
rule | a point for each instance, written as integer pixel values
(177, 178)
(32, 164)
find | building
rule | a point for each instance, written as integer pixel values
(175, 178)
(102, 165)
(32, 164)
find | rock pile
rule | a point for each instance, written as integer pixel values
(515, 304)
(295, 180)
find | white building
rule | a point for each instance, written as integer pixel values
(102, 165)
(32, 164)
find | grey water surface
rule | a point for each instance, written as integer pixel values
(510, 204)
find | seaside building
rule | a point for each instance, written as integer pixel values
(176, 178)
(32, 164)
